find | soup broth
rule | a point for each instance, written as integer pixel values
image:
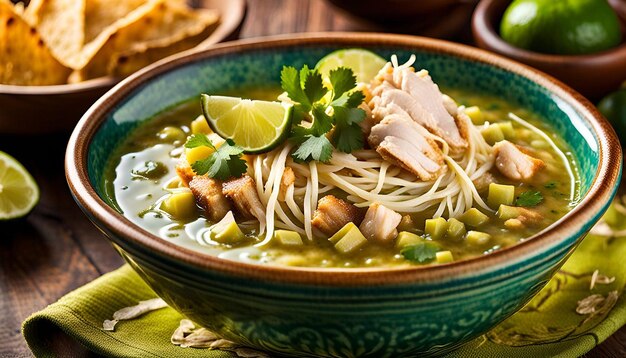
(142, 173)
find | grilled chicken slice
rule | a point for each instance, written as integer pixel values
(184, 171)
(209, 196)
(332, 214)
(380, 223)
(403, 142)
(515, 164)
(242, 193)
(419, 96)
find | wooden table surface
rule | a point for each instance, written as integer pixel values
(56, 249)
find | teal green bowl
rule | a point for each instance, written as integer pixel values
(342, 312)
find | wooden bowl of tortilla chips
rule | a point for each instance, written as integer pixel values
(58, 56)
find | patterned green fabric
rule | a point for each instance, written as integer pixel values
(547, 326)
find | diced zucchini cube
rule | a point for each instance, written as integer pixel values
(436, 228)
(456, 229)
(229, 235)
(500, 194)
(492, 134)
(444, 257)
(351, 241)
(200, 126)
(506, 212)
(342, 232)
(473, 217)
(406, 238)
(475, 114)
(179, 205)
(198, 153)
(507, 129)
(288, 237)
(477, 238)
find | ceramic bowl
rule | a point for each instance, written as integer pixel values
(593, 75)
(51, 109)
(369, 312)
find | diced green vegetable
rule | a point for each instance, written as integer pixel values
(229, 235)
(456, 229)
(444, 257)
(226, 231)
(288, 237)
(180, 205)
(422, 252)
(506, 212)
(406, 238)
(436, 228)
(475, 114)
(529, 198)
(351, 241)
(200, 126)
(198, 153)
(477, 238)
(507, 129)
(172, 134)
(492, 134)
(500, 194)
(342, 232)
(473, 217)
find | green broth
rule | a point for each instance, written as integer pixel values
(138, 196)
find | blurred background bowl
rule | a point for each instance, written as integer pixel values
(593, 75)
(52, 109)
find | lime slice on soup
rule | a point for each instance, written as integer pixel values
(365, 64)
(18, 190)
(256, 126)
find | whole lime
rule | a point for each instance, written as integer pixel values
(566, 27)
(613, 107)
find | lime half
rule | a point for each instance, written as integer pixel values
(18, 191)
(256, 126)
(365, 64)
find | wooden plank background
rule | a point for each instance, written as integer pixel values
(56, 249)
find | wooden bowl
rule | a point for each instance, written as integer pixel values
(593, 75)
(50, 109)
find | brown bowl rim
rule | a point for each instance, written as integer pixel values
(601, 189)
(485, 31)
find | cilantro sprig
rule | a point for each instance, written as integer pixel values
(422, 252)
(224, 163)
(529, 198)
(325, 111)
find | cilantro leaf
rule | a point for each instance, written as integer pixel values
(322, 122)
(348, 138)
(198, 140)
(314, 147)
(313, 87)
(529, 198)
(342, 79)
(290, 82)
(350, 100)
(224, 163)
(421, 252)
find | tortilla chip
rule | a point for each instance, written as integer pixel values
(61, 24)
(24, 57)
(100, 14)
(154, 21)
(141, 55)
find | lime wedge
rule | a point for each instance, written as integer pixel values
(256, 126)
(18, 191)
(365, 64)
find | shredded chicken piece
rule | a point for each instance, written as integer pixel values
(380, 223)
(529, 216)
(482, 182)
(332, 214)
(404, 154)
(513, 163)
(242, 192)
(416, 94)
(184, 171)
(209, 196)
(286, 181)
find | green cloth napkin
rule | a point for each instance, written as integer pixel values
(547, 326)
